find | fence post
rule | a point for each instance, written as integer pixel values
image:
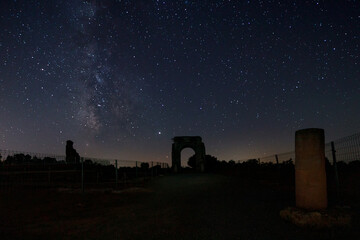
(335, 168)
(82, 175)
(152, 169)
(277, 159)
(116, 173)
(136, 169)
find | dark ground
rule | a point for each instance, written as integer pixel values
(188, 206)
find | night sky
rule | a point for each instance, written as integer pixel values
(121, 78)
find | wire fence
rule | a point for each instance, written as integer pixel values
(342, 166)
(30, 169)
(346, 150)
(40, 170)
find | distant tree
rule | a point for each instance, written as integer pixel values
(354, 164)
(88, 162)
(36, 160)
(251, 162)
(192, 161)
(19, 158)
(210, 162)
(27, 158)
(49, 160)
(144, 165)
(232, 163)
(341, 165)
(9, 159)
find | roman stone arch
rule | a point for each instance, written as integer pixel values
(193, 142)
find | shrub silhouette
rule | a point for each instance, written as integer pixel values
(211, 162)
(144, 165)
(192, 161)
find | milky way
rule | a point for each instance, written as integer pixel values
(121, 78)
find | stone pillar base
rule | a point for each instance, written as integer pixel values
(319, 219)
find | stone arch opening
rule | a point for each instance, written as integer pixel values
(185, 154)
(193, 142)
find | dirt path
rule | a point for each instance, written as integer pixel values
(172, 207)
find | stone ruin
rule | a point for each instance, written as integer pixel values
(193, 142)
(71, 154)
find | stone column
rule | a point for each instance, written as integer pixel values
(310, 175)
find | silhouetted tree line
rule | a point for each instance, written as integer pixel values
(19, 161)
(212, 164)
(63, 172)
(22, 159)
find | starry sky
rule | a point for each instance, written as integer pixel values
(122, 77)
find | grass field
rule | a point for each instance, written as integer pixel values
(188, 206)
